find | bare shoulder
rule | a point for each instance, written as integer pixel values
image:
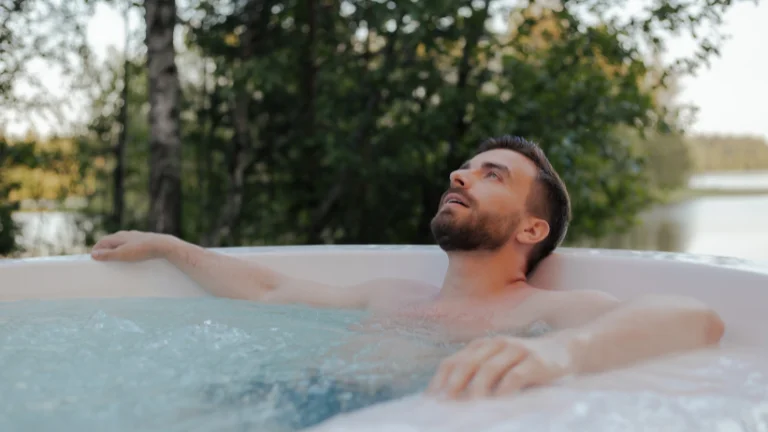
(576, 307)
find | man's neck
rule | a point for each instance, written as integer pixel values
(481, 274)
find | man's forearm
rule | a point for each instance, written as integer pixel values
(641, 330)
(219, 274)
(229, 276)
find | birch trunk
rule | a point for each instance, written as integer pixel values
(165, 142)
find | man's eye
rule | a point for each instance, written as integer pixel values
(494, 174)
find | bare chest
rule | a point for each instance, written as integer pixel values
(458, 323)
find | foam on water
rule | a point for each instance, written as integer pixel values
(719, 390)
(209, 364)
(160, 364)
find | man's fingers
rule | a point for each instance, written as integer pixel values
(440, 379)
(128, 246)
(493, 370)
(109, 247)
(523, 375)
(109, 242)
(103, 254)
(128, 253)
(498, 366)
(456, 371)
(105, 248)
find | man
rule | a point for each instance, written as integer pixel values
(505, 211)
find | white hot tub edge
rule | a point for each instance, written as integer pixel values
(737, 289)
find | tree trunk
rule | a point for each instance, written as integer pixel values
(165, 141)
(118, 194)
(209, 120)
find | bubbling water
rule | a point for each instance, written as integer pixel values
(176, 364)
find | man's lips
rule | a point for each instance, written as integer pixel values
(454, 198)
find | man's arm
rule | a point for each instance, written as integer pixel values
(635, 330)
(229, 276)
(598, 333)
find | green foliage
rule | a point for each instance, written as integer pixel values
(667, 159)
(11, 155)
(41, 33)
(357, 111)
(94, 150)
(360, 121)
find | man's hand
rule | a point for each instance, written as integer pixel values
(132, 246)
(501, 365)
(230, 276)
(630, 332)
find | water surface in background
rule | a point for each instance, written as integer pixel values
(731, 226)
(199, 364)
(753, 180)
(734, 225)
(49, 233)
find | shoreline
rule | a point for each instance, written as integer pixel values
(686, 194)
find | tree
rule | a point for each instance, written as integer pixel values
(51, 33)
(339, 122)
(164, 97)
(118, 197)
(357, 111)
(10, 155)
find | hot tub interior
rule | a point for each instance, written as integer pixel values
(98, 346)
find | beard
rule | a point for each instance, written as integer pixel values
(476, 231)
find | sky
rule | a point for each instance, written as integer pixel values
(731, 94)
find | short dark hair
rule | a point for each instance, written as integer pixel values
(550, 202)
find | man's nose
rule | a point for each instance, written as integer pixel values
(459, 178)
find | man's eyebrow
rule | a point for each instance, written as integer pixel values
(493, 165)
(488, 165)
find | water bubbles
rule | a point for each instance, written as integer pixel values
(127, 364)
(215, 365)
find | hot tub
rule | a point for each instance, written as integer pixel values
(115, 346)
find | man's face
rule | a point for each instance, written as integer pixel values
(485, 203)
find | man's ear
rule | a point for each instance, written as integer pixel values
(533, 231)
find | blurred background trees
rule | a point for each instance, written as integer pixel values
(339, 121)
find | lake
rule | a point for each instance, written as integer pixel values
(731, 226)
(757, 180)
(725, 225)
